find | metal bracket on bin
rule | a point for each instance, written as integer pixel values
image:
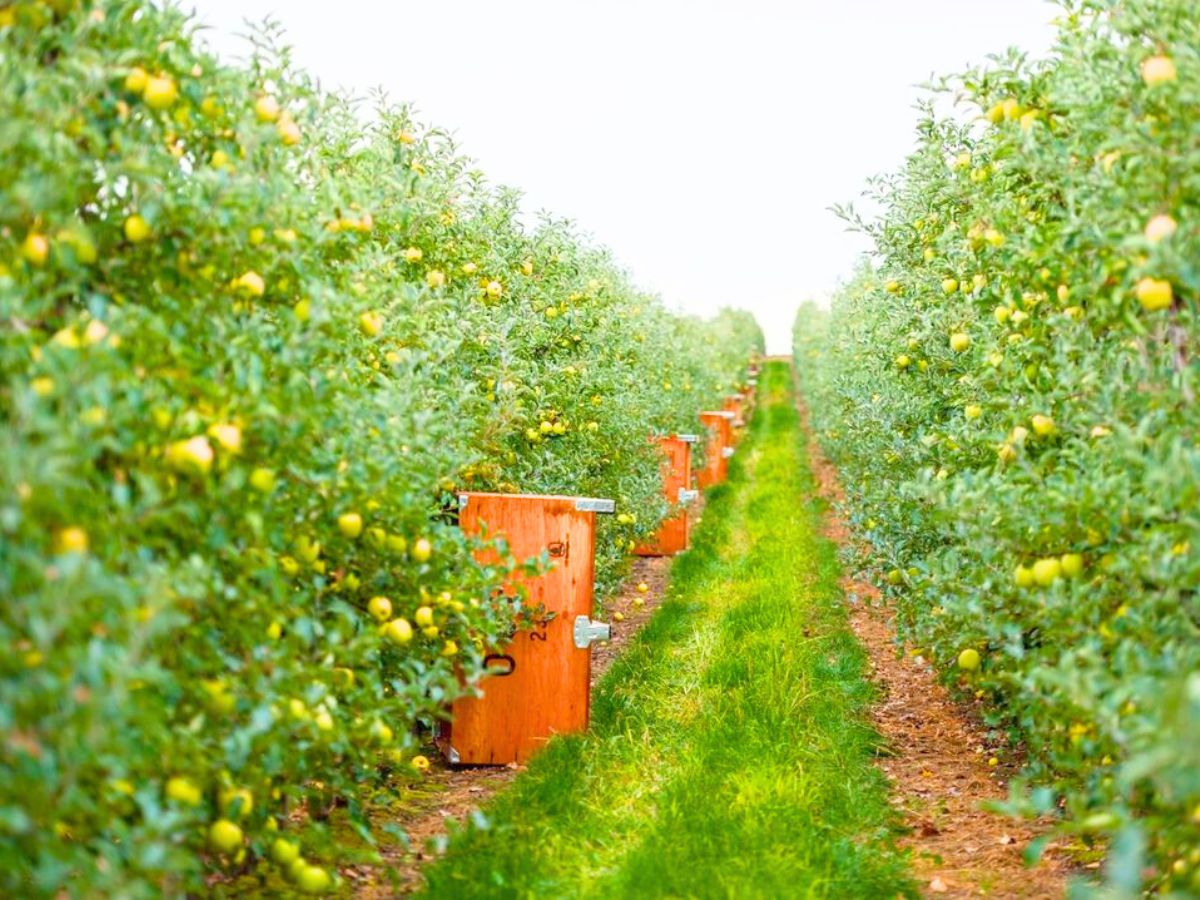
(687, 438)
(687, 496)
(726, 414)
(727, 452)
(587, 631)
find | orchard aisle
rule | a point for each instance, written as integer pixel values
(731, 752)
(941, 760)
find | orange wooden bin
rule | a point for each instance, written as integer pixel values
(719, 447)
(735, 403)
(541, 685)
(672, 535)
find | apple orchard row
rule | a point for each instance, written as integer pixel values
(253, 351)
(1009, 394)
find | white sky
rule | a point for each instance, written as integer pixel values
(702, 141)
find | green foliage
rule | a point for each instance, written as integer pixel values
(1010, 396)
(250, 349)
(729, 754)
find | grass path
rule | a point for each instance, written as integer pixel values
(730, 754)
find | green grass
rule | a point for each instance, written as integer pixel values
(729, 754)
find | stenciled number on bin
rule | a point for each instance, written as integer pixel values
(539, 632)
(559, 549)
(503, 659)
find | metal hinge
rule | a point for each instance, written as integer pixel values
(726, 452)
(687, 496)
(587, 631)
(687, 438)
(593, 504)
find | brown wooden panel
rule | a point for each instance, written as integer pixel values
(547, 690)
(672, 534)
